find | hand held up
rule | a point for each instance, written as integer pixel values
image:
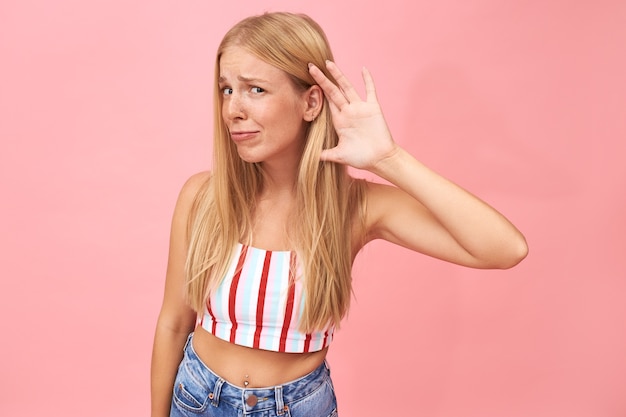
(364, 137)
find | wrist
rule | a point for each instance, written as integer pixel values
(386, 165)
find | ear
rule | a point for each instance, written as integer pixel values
(314, 100)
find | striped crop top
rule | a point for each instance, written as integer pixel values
(260, 302)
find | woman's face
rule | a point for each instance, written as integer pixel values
(263, 110)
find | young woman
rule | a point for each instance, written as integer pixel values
(262, 247)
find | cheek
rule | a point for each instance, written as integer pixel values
(223, 112)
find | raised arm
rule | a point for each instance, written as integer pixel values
(424, 212)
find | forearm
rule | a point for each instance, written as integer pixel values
(166, 356)
(483, 232)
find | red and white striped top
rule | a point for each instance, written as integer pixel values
(260, 302)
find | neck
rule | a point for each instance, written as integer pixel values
(279, 179)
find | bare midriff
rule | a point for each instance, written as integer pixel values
(253, 368)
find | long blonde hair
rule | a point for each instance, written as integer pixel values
(329, 202)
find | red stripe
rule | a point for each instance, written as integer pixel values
(208, 307)
(289, 304)
(261, 300)
(233, 293)
(307, 342)
(325, 339)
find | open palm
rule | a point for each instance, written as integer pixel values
(364, 138)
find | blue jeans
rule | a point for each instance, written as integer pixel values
(200, 392)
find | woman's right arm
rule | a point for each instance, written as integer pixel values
(176, 319)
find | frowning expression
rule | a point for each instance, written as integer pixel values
(266, 114)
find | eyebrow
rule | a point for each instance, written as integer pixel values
(222, 79)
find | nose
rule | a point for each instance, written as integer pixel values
(233, 107)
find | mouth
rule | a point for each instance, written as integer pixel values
(243, 135)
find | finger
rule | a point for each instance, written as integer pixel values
(332, 92)
(334, 110)
(343, 82)
(370, 88)
(331, 155)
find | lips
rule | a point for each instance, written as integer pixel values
(242, 135)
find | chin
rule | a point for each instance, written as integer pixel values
(251, 159)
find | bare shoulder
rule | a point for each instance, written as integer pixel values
(193, 186)
(190, 189)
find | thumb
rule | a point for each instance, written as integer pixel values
(331, 155)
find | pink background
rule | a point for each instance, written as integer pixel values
(105, 111)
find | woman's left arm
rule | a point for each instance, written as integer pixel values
(426, 212)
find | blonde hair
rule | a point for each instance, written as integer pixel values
(329, 201)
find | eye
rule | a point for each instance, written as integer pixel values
(227, 91)
(257, 90)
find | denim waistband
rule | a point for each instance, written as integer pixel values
(258, 399)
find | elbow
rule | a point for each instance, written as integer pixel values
(515, 253)
(504, 255)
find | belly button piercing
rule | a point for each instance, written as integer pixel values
(245, 382)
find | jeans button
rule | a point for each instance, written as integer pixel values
(252, 400)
